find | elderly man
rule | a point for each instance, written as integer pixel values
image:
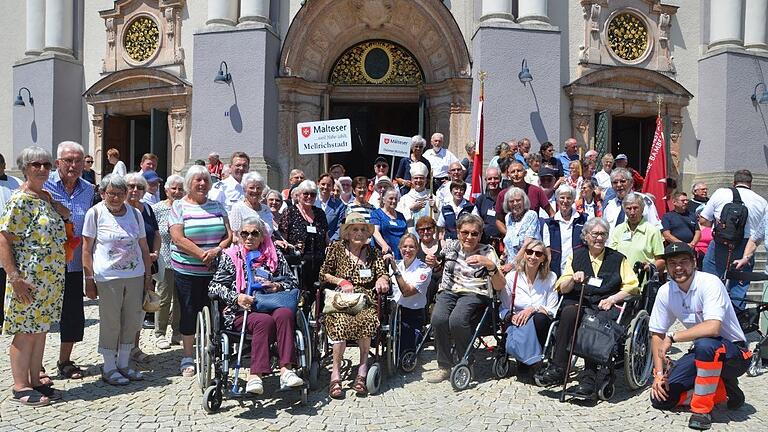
(486, 207)
(229, 191)
(523, 148)
(623, 162)
(570, 154)
(638, 240)
(443, 194)
(215, 165)
(613, 212)
(295, 177)
(440, 159)
(708, 373)
(680, 225)
(536, 196)
(603, 177)
(76, 194)
(721, 253)
(700, 196)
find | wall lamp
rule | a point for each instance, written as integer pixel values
(20, 102)
(761, 98)
(223, 77)
(525, 75)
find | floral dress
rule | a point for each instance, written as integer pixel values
(38, 249)
(341, 326)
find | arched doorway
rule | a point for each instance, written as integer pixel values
(324, 32)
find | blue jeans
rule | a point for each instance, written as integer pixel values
(716, 263)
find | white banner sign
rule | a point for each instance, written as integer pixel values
(331, 136)
(394, 145)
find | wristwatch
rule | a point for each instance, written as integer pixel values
(672, 337)
(494, 270)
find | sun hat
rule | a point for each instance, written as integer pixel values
(355, 219)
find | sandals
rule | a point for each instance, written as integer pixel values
(33, 398)
(335, 391)
(138, 355)
(48, 392)
(187, 367)
(45, 379)
(359, 386)
(131, 374)
(69, 370)
(115, 378)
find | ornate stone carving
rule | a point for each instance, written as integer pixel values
(374, 13)
(376, 62)
(594, 17)
(141, 38)
(110, 24)
(627, 36)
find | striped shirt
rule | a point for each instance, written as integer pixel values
(78, 204)
(204, 225)
(364, 211)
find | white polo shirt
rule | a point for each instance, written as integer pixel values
(754, 202)
(443, 196)
(603, 179)
(417, 275)
(612, 209)
(706, 299)
(440, 161)
(228, 192)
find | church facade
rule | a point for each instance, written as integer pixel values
(183, 78)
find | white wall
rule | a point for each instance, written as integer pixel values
(11, 50)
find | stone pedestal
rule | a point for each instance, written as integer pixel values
(240, 116)
(56, 84)
(514, 111)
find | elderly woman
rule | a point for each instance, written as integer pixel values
(522, 224)
(166, 289)
(404, 175)
(562, 233)
(117, 268)
(32, 254)
(453, 210)
(529, 295)
(638, 240)
(413, 278)
(532, 173)
(229, 285)
(353, 265)
(253, 186)
(419, 201)
(589, 201)
(390, 224)
(199, 230)
(468, 266)
(334, 209)
(594, 270)
(306, 227)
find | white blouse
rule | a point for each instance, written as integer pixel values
(541, 294)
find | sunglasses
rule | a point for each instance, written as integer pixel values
(309, 194)
(382, 166)
(88, 161)
(38, 165)
(536, 253)
(135, 186)
(245, 234)
(470, 233)
(422, 229)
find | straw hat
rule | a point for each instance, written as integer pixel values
(355, 219)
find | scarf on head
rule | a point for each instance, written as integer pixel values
(267, 259)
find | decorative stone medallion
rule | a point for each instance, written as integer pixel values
(141, 39)
(628, 37)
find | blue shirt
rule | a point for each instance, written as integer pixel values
(78, 203)
(566, 160)
(390, 229)
(521, 159)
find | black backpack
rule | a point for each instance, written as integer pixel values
(733, 219)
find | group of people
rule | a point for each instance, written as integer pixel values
(545, 228)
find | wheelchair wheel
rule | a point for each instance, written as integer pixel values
(606, 390)
(304, 395)
(408, 361)
(203, 356)
(392, 339)
(501, 366)
(755, 367)
(461, 376)
(314, 375)
(637, 352)
(303, 341)
(212, 398)
(373, 380)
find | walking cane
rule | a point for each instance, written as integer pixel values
(253, 255)
(573, 343)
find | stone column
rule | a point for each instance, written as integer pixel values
(59, 19)
(725, 23)
(222, 12)
(755, 16)
(35, 27)
(496, 10)
(254, 11)
(532, 12)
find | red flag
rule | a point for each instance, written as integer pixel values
(656, 175)
(477, 162)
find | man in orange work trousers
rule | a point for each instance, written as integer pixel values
(708, 373)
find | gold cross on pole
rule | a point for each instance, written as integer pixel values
(659, 101)
(482, 75)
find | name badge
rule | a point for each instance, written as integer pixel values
(491, 212)
(626, 237)
(393, 222)
(595, 282)
(311, 229)
(689, 319)
(365, 273)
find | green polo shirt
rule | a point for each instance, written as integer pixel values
(643, 244)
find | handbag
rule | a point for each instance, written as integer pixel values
(597, 338)
(341, 302)
(522, 342)
(268, 302)
(151, 301)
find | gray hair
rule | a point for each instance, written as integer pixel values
(512, 192)
(624, 173)
(194, 171)
(385, 192)
(591, 224)
(32, 154)
(69, 145)
(306, 186)
(418, 139)
(419, 169)
(696, 185)
(272, 191)
(252, 177)
(533, 157)
(632, 198)
(254, 220)
(173, 180)
(469, 218)
(565, 189)
(136, 178)
(115, 182)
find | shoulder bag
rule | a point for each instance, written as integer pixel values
(341, 302)
(598, 337)
(522, 342)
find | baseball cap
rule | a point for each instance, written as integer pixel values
(151, 176)
(547, 171)
(383, 179)
(678, 248)
(381, 159)
(621, 156)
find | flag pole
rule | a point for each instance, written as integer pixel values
(659, 101)
(477, 159)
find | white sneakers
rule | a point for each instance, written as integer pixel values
(254, 385)
(290, 379)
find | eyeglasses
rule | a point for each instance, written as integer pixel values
(71, 161)
(136, 186)
(538, 254)
(619, 181)
(492, 178)
(470, 233)
(309, 194)
(455, 169)
(245, 234)
(114, 194)
(598, 234)
(423, 229)
(38, 165)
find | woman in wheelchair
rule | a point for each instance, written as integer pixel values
(353, 266)
(229, 285)
(529, 297)
(463, 293)
(413, 277)
(592, 269)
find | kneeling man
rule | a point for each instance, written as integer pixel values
(708, 373)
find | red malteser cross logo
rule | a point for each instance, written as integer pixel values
(386, 140)
(423, 277)
(306, 131)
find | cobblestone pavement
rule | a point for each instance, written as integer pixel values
(165, 401)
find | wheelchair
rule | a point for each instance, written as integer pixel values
(382, 358)
(749, 320)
